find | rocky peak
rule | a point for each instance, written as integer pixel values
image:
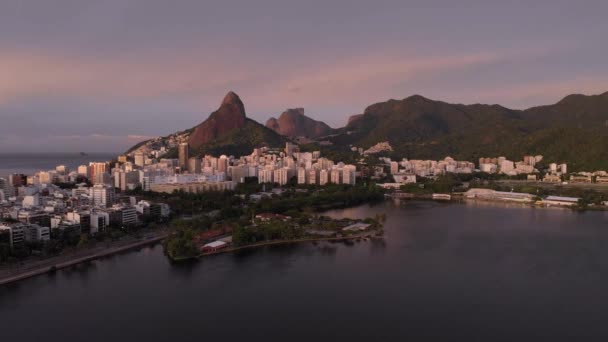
(294, 123)
(229, 116)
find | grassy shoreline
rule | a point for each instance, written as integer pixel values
(369, 234)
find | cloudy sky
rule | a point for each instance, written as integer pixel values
(79, 75)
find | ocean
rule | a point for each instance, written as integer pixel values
(29, 163)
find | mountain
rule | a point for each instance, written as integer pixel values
(229, 117)
(293, 123)
(572, 130)
(228, 131)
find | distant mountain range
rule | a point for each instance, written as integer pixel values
(574, 130)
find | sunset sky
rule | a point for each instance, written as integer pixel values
(94, 76)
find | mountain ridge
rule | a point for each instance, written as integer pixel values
(294, 123)
(571, 130)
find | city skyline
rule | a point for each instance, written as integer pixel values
(93, 77)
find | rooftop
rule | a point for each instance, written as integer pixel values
(562, 198)
(215, 244)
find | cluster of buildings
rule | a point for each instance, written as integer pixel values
(31, 207)
(429, 168)
(406, 171)
(209, 173)
(508, 167)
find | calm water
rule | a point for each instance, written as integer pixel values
(443, 272)
(28, 163)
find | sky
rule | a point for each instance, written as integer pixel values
(99, 76)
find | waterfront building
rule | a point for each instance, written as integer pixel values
(580, 179)
(35, 233)
(81, 217)
(560, 201)
(601, 179)
(123, 217)
(493, 195)
(15, 234)
(100, 219)
(552, 178)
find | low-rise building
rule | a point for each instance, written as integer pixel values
(560, 201)
(580, 179)
(552, 178)
(214, 246)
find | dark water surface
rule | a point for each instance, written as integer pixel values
(29, 163)
(443, 272)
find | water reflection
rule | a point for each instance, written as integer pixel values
(441, 272)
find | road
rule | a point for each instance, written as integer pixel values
(12, 273)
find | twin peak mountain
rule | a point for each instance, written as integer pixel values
(229, 124)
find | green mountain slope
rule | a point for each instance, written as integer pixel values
(572, 130)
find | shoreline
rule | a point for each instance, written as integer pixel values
(371, 235)
(66, 264)
(458, 198)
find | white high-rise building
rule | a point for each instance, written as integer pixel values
(301, 175)
(265, 176)
(281, 176)
(348, 176)
(336, 176)
(323, 177)
(312, 176)
(102, 195)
